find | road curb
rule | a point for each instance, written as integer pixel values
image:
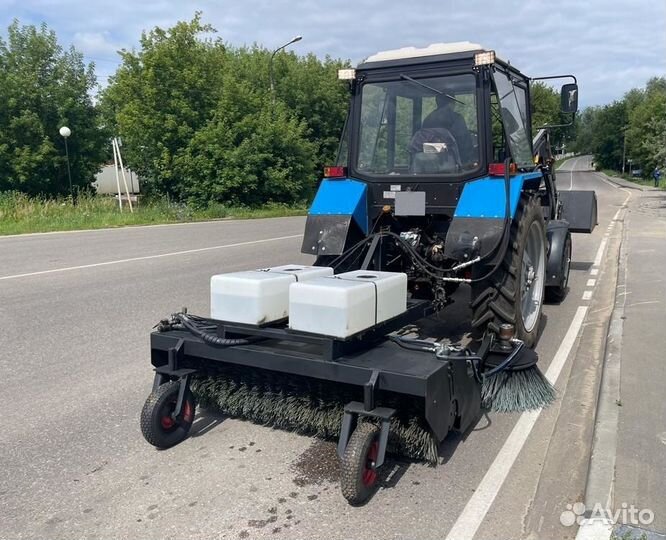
(600, 480)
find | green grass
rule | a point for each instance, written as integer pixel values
(559, 162)
(21, 214)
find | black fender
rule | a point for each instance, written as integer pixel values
(557, 231)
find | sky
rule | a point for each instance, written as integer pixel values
(610, 45)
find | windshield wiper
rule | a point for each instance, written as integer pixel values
(406, 78)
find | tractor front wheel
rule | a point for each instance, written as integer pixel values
(514, 293)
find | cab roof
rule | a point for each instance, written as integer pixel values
(418, 55)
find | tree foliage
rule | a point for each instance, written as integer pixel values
(546, 110)
(43, 87)
(638, 120)
(199, 122)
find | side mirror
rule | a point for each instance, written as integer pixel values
(569, 98)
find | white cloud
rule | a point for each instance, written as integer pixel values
(96, 43)
(611, 45)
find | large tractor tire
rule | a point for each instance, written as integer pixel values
(514, 294)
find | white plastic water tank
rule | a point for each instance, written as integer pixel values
(348, 303)
(258, 296)
(391, 291)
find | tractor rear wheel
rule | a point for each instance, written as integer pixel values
(514, 294)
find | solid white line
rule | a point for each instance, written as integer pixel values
(587, 295)
(617, 215)
(594, 271)
(478, 505)
(600, 252)
(138, 227)
(573, 167)
(591, 282)
(147, 257)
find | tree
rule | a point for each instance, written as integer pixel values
(639, 119)
(546, 110)
(608, 127)
(198, 121)
(249, 153)
(646, 132)
(161, 95)
(43, 87)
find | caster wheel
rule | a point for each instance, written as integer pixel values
(158, 425)
(358, 476)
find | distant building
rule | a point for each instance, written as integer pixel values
(105, 181)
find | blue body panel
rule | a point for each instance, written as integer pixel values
(484, 198)
(342, 197)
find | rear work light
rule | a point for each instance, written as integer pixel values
(335, 172)
(497, 169)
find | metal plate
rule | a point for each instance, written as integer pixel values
(410, 203)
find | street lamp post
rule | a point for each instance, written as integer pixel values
(270, 64)
(624, 146)
(65, 132)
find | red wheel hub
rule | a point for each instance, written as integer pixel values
(167, 421)
(187, 412)
(369, 471)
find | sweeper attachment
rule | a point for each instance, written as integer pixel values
(438, 184)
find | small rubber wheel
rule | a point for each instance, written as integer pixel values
(158, 425)
(358, 477)
(557, 293)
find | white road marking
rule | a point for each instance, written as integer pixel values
(591, 282)
(147, 257)
(594, 271)
(587, 295)
(136, 227)
(478, 505)
(600, 252)
(572, 171)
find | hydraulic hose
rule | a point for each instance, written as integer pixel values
(209, 337)
(426, 266)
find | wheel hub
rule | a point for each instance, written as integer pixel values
(532, 277)
(370, 471)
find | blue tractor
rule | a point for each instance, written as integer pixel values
(439, 183)
(438, 161)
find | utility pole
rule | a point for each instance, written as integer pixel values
(624, 148)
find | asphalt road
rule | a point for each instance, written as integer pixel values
(78, 308)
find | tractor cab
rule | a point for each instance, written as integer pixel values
(424, 127)
(443, 113)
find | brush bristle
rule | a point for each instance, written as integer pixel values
(310, 407)
(517, 391)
